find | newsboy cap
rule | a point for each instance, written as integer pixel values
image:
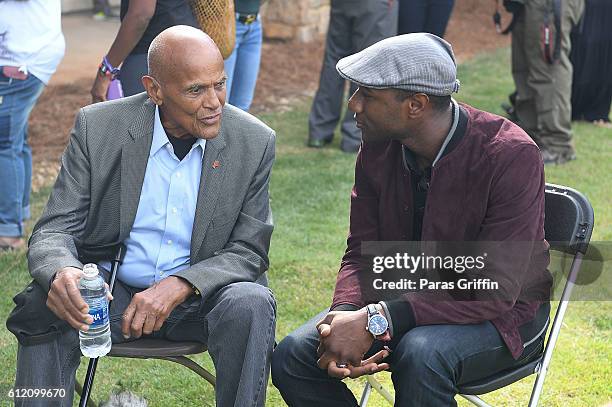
(418, 62)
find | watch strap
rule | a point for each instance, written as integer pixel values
(371, 308)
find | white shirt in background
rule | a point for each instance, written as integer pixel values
(31, 36)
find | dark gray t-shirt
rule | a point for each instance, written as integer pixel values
(247, 6)
(168, 13)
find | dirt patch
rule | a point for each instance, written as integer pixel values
(471, 30)
(289, 73)
(50, 124)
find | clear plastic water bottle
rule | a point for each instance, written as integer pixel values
(96, 341)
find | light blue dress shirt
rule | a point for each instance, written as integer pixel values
(160, 241)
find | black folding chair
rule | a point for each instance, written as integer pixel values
(143, 349)
(568, 227)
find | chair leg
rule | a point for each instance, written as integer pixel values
(78, 388)
(365, 396)
(380, 389)
(555, 330)
(193, 366)
(475, 400)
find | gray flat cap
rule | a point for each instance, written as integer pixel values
(418, 62)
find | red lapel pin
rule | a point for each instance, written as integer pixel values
(216, 164)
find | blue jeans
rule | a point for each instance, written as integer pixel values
(242, 66)
(427, 363)
(430, 16)
(17, 98)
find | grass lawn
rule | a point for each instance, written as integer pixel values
(310, 198)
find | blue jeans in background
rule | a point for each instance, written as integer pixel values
(242, 66)
(430, 16)
(17, 98)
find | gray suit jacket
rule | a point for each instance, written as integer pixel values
(94, 201)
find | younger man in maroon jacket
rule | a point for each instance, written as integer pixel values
(429, 170)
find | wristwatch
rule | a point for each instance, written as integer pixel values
(377, 323)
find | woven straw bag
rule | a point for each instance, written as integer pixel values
(218, 20)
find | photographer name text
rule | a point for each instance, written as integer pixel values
(425, 284)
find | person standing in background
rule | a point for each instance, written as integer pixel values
(591, 58)
(353, 26)
(242, 66)
(31, 47)
(141, 21)
(102, 10)
(543, 74)
(430, 16)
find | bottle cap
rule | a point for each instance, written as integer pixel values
(90, 271)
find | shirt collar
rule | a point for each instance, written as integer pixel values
(160, 138)
(410, 159)
(451, 132)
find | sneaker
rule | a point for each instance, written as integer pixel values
(317, 143)
(556, 158)
(568, 156)
(510, 112)
(350, 148)
(103, 16)
(11, 243)
(603, 123)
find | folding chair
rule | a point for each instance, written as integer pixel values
(144, 349)
(159, 349)
(568, 228)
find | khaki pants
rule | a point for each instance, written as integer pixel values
(543, 102)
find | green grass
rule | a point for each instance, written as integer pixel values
(310, 198)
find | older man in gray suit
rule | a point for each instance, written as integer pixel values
(182, 181)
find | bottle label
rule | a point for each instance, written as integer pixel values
(99, 315)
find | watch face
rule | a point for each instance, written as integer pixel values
(377, 325)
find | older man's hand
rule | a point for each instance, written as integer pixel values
(344, 339)
(64, 299)
(149, 309)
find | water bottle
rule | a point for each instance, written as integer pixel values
(96, 341)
